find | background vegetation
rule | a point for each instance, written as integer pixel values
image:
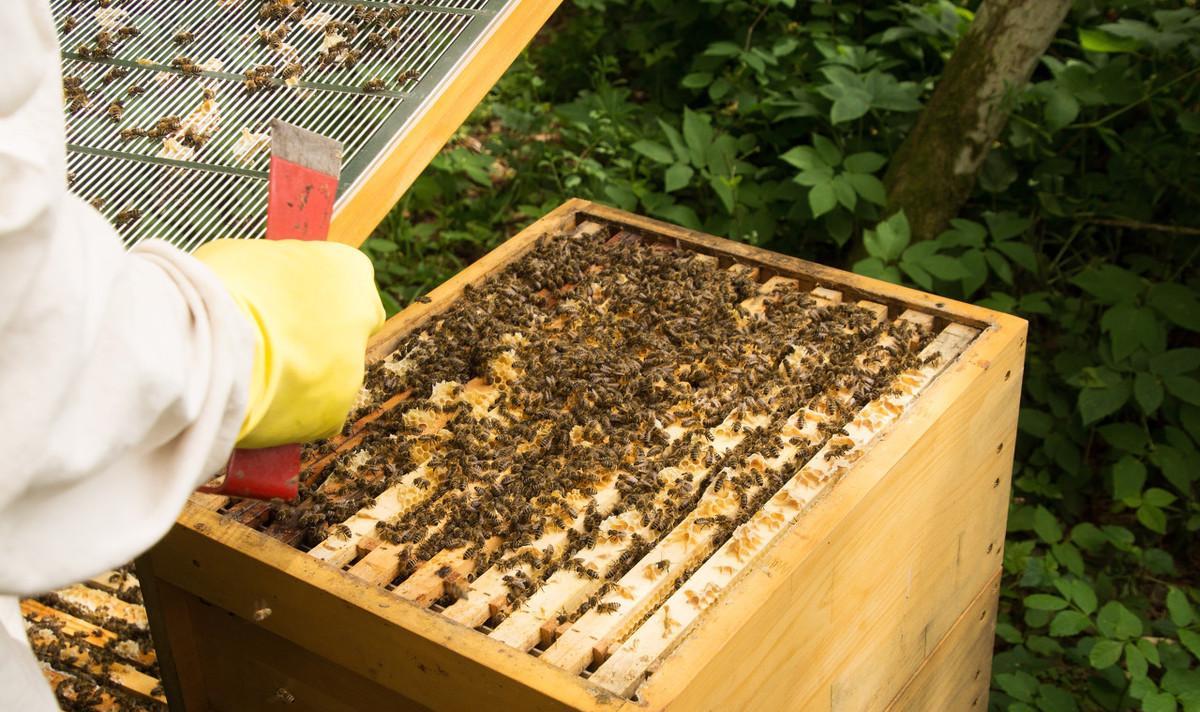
(772, 122)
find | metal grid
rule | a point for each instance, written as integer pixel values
(168, 187)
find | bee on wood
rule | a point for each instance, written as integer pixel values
(609, 607)
(444, 571)
(183, 37)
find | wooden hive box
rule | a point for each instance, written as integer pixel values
(867, 581)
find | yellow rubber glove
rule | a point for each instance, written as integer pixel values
(314, 305)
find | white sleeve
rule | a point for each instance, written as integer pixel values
(123, 375)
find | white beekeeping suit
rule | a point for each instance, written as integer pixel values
(122, 376)
(127, 377)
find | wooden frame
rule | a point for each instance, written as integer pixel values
(856, 606)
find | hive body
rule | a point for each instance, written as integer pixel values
(833, 545)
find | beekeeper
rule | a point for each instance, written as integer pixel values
(127, 377)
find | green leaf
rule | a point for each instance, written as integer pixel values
(1175, 362)
(851, 105)
(1135, 662)
(889, 239)
(1006, 225)
(999, 265)
(676, 177)
(1158, 497)
(1020, 685)
(1061, 109)
(1185, 388)
(1177, 303)
(1152, 518)
(723, 49)
(1068, 623)
(676, 141)
(724, 190)
(1180, 608)
(1158, 702)
(1055, 699)
(822, 199)
(844, 192)
(827, 150)
(696, 80)
(1150, 651)
(805, 158)
(1046, 525)
(1101, 41)
(1081, 592)
(1191, 641)
(680, 214)
(875, 267)
(654, 151)
(1020, 253)
(864, 162)
(1175, 467)
(1129, 476)
(697, 134)
(869, 187)
(1109, 284)
(1097, 403)
(1116, 621)
(1044, 602)
(976, 268)
(1120, 322)
(944, 268)
(1148, 392)
(1105, 653)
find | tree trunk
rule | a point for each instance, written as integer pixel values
(934, 171)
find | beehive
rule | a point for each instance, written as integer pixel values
(93, 641)
(801, 508)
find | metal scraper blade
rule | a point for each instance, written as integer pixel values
(300, 196)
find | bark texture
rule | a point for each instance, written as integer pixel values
(934, 171)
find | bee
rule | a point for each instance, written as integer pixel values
(609, 607)
(113, 74)
(444, 571)
(186, 65)
(341, 531)
(374, 85)
(183, 37)
(69, 23)
(128, 32)
(408, 75)
(97, 202)
(115, 111)
(134, 90)
(126, 217)
(662, 565)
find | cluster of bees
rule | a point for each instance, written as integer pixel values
(89, 689)
(615, 339)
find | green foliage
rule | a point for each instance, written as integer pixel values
(773, 121)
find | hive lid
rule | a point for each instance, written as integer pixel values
(201, 172)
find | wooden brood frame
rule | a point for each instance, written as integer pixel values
(863, 602)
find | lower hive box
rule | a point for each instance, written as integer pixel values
(620, 464)
(93, 642)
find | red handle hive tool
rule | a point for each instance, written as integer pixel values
(301, 189)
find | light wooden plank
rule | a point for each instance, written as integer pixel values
(956, 676)
(120, 674)
(91, 633)
(103, 604)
